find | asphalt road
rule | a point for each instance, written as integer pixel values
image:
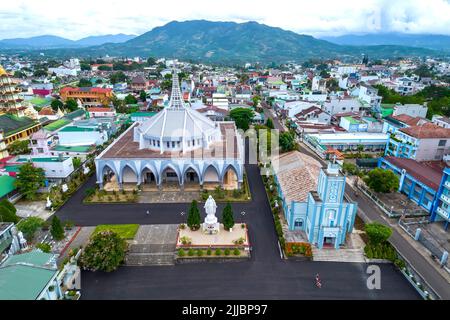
(370, 212)
(264, 276)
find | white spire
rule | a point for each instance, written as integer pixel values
(176, 98)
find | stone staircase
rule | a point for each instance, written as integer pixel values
(150, 255)
(341, 255)
(152, 246)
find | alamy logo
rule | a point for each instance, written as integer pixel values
(374, 280)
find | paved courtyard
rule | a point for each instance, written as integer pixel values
(168, 196)
(27, 209)
(264, 276)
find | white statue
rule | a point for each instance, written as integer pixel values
(49, 203)
(22, 240)
(211, 224)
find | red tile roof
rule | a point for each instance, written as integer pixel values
(410, 121)
(427, 131)
(100, 109)
(429, 173)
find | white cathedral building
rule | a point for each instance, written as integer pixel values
(178, 146)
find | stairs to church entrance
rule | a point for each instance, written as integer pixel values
(153, 245)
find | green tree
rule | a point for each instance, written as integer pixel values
(29, 226)
(85, 66)
(242, 117)
(56, 103)
(19, 74)
(269, 123)
(227, 217)
(57, 229)
(76, 162)
(130, 99)
(71, 105)
(381, 180)
(256, 100)
(377, 233)
(151, 61)
(143, 95)
(84, 83)
(19, 147)
(29, 180)
(287, 142)
(44, 247)
(105, 68)
(8, 212)
(104, 252)
(193, 218)
(39, 73)
(118, 77)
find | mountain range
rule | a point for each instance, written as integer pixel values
(230, 42)
(430, 41)
(49, 41)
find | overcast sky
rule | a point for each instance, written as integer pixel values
(76, 19)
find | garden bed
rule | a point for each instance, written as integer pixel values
(221, 195)
(104, 197)
(125, 231)
(298, 250)
(211, 254)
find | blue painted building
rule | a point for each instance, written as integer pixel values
(313, 199)
(426, 185)
(441, 208)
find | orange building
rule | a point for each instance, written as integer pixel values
(89, 97)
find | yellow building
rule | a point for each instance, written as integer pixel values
(89, 97)
(16, 128)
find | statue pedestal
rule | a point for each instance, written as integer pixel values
(211, 224)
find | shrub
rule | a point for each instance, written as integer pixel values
(218, 252)
(181, 253)
(104, 252)
(44, 247)
(236, 193)
(191, 252)
(185, 240)
(227, 217)
(377, 232)
(8, 212)
(208, 252)
(51, 288)
(69, 225)
(193, 219)
(227, 252)
(29, 226)
(109, 198)
(243, 225)
(182, 226)
(90, 192)
(56, 229)
(199, 252)
(236, 252)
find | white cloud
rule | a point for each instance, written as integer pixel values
(81, 18)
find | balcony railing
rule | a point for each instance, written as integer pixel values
(445, 198)
(444, 214)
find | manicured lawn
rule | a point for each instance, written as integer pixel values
(125, 231)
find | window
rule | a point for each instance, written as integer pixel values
(171, 174)
(168, 144)
(173, 144)
(189, 143)
(442, 143)
(298, 223)
(159, 144)
(178, 144)
(193, 142)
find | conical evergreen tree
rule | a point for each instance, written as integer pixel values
(57, 230)
(227, 217)
(193, 219)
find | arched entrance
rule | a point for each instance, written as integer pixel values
(211, 178)
(298, 224)
(230, 179)
(170, 179)
(129, 178)
(109, 179)
(191, 179)
(148, 179)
